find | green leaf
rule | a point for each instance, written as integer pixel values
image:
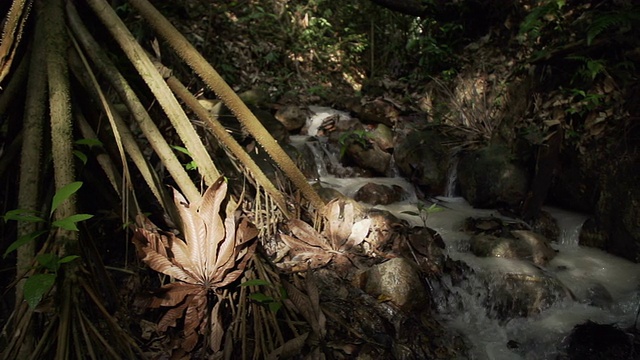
(68, 259)
(80, 155)
(49, 261)
(89, 142)
(36, 286)
(260, 297)
(191, 166)
(275, 306)
(181, 149)
(23, 240)
(22, 215)
(63, 194)
(412, 213)
(434, 209)
(69, 223)
(255, 282)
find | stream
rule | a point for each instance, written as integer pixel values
(606, 288)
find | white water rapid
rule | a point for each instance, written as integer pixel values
(611, 282)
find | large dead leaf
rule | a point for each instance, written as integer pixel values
(214, 253)
(343, 230)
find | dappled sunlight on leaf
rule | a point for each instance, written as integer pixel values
(214, 253)
(344, 230)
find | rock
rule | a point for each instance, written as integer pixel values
(604, 180)
(326, 193)
(293, 117)
(617, 211)
(421, 157)
(398, 281)
(376, 111)
(541, 250)
(491, 226)
(591, 235)
(382, 135)
(597, 295)
(546, 225)
(523, 295)
(593, 341)
(488, 178)
(493, 246)
(381, 231)
(378, 194)
(368, 157)
(527, 246)
(303, 157)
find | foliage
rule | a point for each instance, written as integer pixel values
(424, 211)
(191, 165)
(621, 20)
(213, 254)
(310, 249)
(68, 223)
(546, 12)
(37, 285)
(355, 136)
(272, 303)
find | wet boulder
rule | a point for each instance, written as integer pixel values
(367, 155)
(421, 157)
(489, 178)
(523, 295)
(593, 341)
(293, 117)
(396, 280)
(383, 136)
(524, 245)
(378, 194)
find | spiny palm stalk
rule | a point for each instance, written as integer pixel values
(63, 63)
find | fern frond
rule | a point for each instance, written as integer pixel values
(619, 18)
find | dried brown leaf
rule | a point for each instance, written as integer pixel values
(216, 328)
(173, 294)
(194, 231)
(359, 232)
(307, 234)
(193, 319)
(303, 304)
(159, 262)
(172, 315)
(339, 216)
(290, 348)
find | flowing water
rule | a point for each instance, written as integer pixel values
(606, 288)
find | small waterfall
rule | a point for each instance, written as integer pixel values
(452, 176)
(569, 223)
(318, 154)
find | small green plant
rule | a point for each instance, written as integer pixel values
(274, 304)
(622, 20)
(355, 136)
(191, 165)
(90, 143)
(584, 102)
(36, 286)
(424, 211)
(548, 12)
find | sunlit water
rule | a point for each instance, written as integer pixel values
(577, 268)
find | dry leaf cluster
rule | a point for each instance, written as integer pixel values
(213, 254)
(344, 229)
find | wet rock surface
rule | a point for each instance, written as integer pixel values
(489, 178)
(593, 341)
(421, 157)
(378, 194)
